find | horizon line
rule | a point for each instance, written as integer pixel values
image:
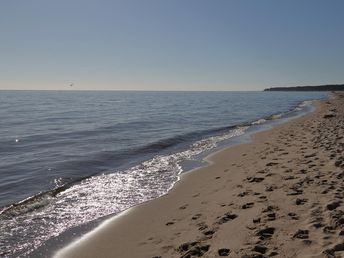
(79, 90)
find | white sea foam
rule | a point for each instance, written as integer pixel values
(260, 121)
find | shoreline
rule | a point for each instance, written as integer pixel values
(135, 239)
(268, 121)
(49, 246)
(71, 235)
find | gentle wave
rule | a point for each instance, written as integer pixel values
(78, 203)
(155, 147)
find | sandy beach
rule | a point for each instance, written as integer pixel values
(279, 195)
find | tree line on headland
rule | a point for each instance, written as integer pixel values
(329, 87)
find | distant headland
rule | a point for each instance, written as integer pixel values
(328, 87)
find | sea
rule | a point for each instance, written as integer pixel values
(68, 158)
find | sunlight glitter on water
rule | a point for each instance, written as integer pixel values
(96, 197)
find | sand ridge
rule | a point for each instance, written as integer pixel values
(278, 196)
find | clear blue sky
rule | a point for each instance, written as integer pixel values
(170, 45)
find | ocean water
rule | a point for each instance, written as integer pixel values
(68, 158)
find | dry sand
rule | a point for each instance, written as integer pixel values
(280, 195)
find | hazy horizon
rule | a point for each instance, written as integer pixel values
(170, 45)
(157, 90)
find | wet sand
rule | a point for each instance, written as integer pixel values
(279, 195)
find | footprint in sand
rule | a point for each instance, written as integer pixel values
(333, 205)
(227, 217)
(301, 234)
(300, 201)
(265, 233)
(223, 252)
(191, 249)
(183, 207)
(197, 216)
(248, 205)
(255, 179)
